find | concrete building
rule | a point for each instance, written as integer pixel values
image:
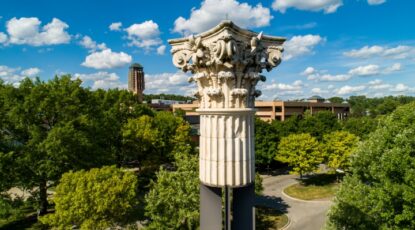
(136, 82)
(163, 105)
(280, 110)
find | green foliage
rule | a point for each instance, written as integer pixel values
(338, 148)
(95, 199)
(173, 200)
(266, 141)
(9, 209)
(336, 99)
(258, 184)
(361, 106)
(380, 191)
(301, 152)
(151, 140)
(360, 126)
(42, 121)
(319, 124)
(149, 97)
(140, 140)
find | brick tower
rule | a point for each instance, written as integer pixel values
(136, 80)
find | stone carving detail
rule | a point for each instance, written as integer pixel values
(226, 62)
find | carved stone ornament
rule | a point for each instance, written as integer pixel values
(226, 63)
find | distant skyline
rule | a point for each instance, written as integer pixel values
(333, 48)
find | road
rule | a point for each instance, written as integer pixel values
(304, 215)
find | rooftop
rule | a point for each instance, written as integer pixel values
(136, 65)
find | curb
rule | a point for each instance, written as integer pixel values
(288, 224)
(300, 200)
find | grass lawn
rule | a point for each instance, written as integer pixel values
(317, 187)
(270, 219)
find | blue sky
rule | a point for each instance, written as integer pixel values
(333, 48)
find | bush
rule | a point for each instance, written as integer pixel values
(95, 199)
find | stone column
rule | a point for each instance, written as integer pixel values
(226, 63)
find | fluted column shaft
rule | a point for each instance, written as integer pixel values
(227, 147)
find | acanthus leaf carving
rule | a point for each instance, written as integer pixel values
(227, 61)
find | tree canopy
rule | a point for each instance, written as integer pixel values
(301, 151)
(338, 147)
(380, 191)
(94, 199)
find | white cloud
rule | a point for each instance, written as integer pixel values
(115, 26)
(3, 37)
(12, 76)
(319, 91)
(106, 59)
(295, 87)
(398, 52)
(211, 12)
(101, 80)
(346, 90)
(27, 31)
(90, 44)
(375, 82)
(172, 83)
(31, 72)
(6, 71)
(371, 70)
(308, 71)
(375, 2)
(301, 45)
(395, 67)
(367, 70)
(337, 77)
(161, 50)
(144, 35)
(400, 88)
(364, 52)
(315, 75)
(378, 84)
(328, 6)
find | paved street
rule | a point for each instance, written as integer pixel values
(304, 215)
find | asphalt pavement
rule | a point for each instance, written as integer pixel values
(304, 215)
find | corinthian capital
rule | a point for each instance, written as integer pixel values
(226, 62)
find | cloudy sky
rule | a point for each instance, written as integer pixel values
(333, 48)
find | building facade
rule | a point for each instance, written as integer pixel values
(280, 110)
(136, 82)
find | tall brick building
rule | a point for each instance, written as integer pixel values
(136, 82)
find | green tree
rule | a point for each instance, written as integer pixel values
(301, 152)
(319, 124)
(95, 199)
(359, 105)
(266, 141)
(336, 99)
(167, 125)
(141, 140)
(338, 148)
(112, 109)
(43, 121)
(380, 191)
(360, 126)
(173, 200)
